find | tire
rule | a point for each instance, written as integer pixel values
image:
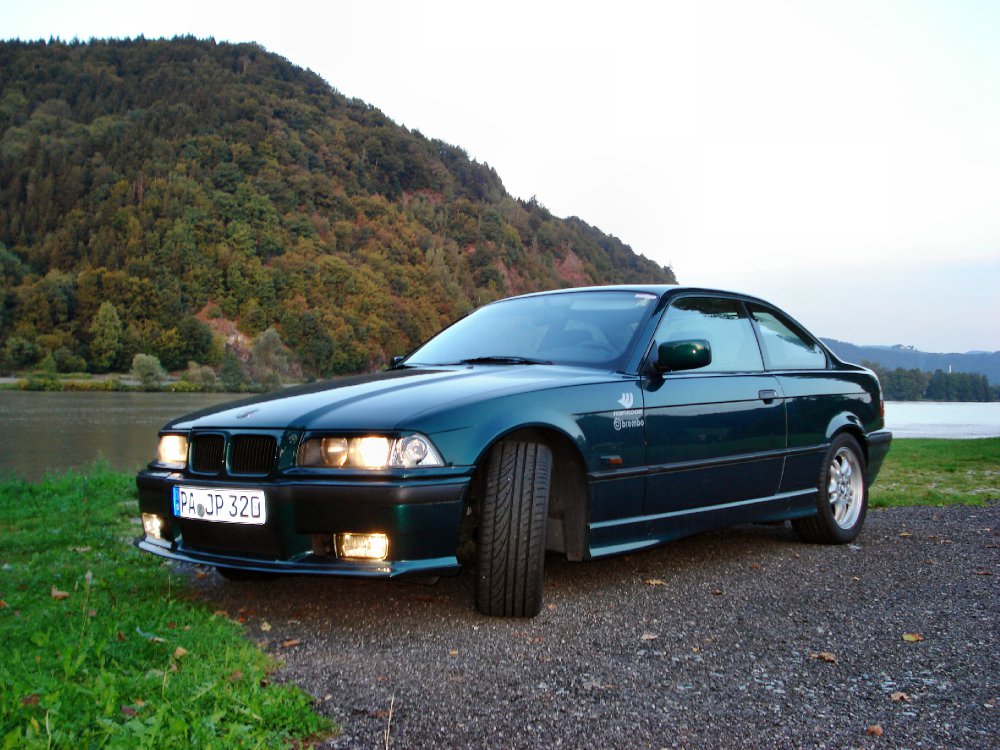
(239, 574)
(510, 549)
(843, 496)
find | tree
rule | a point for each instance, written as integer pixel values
(904, 385)
(107, 331)
(313, 344)
(231, 374)
(196, 338)
(66, 361)
(148, 371)
(269, 363)
(18, 352)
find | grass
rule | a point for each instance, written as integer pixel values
(103, 647)
(938, 472)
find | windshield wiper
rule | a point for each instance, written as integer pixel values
(503, 360)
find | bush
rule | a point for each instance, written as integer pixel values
(148, 371)
(66, 361)
(40, 381)
(111, 384)
(185, 386)
(48, 364)
(198, 378)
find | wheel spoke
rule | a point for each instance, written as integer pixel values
(844, 488)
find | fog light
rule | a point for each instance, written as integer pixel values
(152, 524)
(363, 546)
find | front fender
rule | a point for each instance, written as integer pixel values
(583, 414)
(467, 445)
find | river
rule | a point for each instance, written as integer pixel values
(70, 430)
(942, 419)
(67, 430)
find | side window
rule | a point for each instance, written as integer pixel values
(788, 347)
(722, 322)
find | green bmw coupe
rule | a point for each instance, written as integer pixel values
(588, 422)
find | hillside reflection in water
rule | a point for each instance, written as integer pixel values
(65, 430)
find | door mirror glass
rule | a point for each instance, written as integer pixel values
(672, 356)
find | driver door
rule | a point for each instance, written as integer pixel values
(715, 436)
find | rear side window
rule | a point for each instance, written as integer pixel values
(721, 322)
(787, 346)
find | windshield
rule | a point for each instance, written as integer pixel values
(593, 329)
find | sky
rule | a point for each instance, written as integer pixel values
(840, 159)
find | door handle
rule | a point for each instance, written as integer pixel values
(767, 396)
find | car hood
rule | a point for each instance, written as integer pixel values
(391, 400)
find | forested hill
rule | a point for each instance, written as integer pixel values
(201, 187)
(908, 358)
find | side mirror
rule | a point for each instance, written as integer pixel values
(394, 362)
(672, 356)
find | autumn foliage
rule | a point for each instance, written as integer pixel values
(155, 194)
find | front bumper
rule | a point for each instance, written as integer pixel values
(421, 516)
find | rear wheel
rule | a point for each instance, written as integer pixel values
(510, 549)
(843, 496)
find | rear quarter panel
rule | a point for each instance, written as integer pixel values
(820, 403)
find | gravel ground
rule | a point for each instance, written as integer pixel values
(734, 639)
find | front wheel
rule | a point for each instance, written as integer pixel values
(510, 548)
(843, 496)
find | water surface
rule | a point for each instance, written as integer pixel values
(69, 430)
(942, 419)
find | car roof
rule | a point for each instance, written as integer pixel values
(660, 290)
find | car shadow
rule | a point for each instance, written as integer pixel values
(340, 602)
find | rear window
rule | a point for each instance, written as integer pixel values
(786, 345)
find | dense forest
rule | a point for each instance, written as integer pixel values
(918, 385)
(180, 198)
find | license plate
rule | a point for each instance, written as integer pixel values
(220, 504)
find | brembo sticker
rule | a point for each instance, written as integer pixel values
(627, 417)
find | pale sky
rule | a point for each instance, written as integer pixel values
(841, 159)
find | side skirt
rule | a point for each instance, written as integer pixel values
(606, 538)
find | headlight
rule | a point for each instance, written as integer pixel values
(369, 452)
(414, 450)
(172, 450)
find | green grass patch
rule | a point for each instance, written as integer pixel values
(921, 471)
(104, 647)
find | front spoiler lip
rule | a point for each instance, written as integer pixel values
(379, 569)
